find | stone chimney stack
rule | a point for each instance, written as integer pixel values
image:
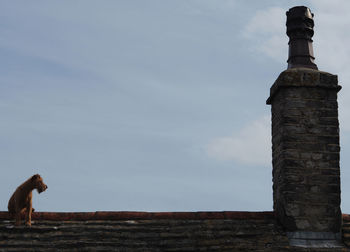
(305, 142)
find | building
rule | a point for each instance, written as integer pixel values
(306, 184)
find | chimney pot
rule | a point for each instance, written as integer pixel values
(300, 26)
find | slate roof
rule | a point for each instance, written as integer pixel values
(146, 231)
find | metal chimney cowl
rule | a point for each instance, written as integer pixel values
(300, 26)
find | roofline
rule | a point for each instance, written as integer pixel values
(125, 215)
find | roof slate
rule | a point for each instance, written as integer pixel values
(150, 231)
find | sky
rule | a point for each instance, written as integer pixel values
(154, 105)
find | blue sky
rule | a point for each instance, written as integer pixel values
(152, 105)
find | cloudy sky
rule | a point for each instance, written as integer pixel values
(154, 105)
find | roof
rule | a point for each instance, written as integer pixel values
(150, 231)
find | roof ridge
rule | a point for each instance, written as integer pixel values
(135, 215)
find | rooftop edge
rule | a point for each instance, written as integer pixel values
(129, 215)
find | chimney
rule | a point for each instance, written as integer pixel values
(305, 142)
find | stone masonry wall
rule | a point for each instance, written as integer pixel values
(305, 146)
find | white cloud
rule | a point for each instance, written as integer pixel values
(331, 39)
(266, 30)
(250, 146)
(266, 21)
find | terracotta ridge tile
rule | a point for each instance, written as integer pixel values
(129, 215)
